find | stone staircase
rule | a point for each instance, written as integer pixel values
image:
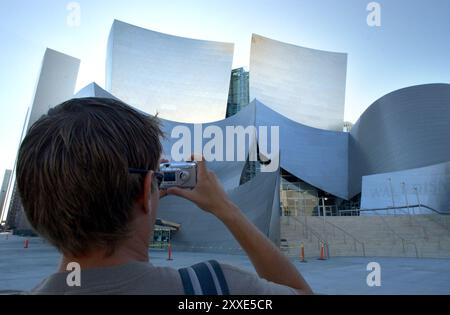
(392, 236)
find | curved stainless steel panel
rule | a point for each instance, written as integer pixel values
(229, 172)
(304, 84)
(405, 129)
(317, 156)
(201, 231)
(428, 185)
(182, 79)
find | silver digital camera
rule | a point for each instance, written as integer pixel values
(178, 174)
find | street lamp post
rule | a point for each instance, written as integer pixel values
(324, 214)
(407, 203)
(418, 200)
(392, 195)
(304, 212)
(406, 195)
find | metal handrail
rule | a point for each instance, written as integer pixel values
(444, 224)
(355, 240)
(319, 237)
(311, 230)
(404, 241)
(411, 217)
(440, 218)
(395, 208)
(432, 209)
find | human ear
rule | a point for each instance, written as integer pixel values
(147, 191)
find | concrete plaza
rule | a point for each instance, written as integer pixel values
(22, 269)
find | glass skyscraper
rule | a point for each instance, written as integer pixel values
(238, 95)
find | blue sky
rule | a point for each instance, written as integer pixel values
(412, 45)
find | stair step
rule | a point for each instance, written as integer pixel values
(381, 236)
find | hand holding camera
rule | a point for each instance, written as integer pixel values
(178, 174)
(207, 194)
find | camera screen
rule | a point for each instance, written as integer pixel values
(169, 176)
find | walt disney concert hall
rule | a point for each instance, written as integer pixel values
(396, 155)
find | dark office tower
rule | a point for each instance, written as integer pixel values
(238, 96)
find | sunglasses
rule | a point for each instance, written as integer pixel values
(158, 175)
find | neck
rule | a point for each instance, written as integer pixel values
(131, 250)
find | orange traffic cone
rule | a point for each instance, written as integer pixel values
(302, 253)
(322, 252)
(25, 244)
(169, 252)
